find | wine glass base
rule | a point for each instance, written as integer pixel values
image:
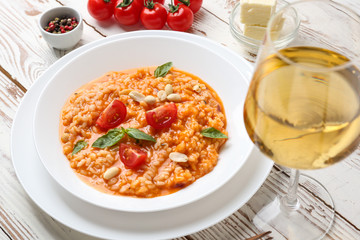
(312, 218)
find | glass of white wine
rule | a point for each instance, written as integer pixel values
(302, 110)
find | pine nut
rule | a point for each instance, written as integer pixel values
(111, 172)
(169, 89)
(197, 88)
(150, 99)
(178, 157)
(162, 95)
(136, 96)
(174, 97)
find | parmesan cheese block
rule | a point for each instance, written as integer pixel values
(258, 32)
(254, 31)
(256, 12)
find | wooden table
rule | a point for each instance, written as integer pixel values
(24, 56)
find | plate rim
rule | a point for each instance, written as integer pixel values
(226, 210)
(111, 202)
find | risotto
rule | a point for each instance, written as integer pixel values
(131, 133)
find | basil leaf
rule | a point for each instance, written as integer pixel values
(79, 146)
(212, 133)
(107, 1)
(111, 138)
(162, 70)
(139, 135)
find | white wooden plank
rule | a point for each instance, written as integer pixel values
(343, 182)
(24, 56)
(3, 235)
(24, 53)
(19, 217)
(21, 47)
(238, 225)
(24, 59)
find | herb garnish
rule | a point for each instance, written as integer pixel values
(113, 136)
(212, 133)
(79, 146)
(162, 70)
(138, 135)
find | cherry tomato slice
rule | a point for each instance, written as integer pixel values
(113, 115)
(132, 156)
(162, 117)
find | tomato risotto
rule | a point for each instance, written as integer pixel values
(143, 132)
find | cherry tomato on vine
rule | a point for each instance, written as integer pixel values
(162, 117)
(101, 9)
(132, 156)
(194, 5)
(113, 115)
(180, 17)
(159, 1)
(153, 15)
(127, 12)
(140, 2)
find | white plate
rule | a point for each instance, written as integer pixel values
(103, 223)
(195, 56)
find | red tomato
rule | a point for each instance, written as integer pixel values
(140, 2)
(113, 115)
(180, 18)
(127, 12)
(194, 5)
(153, 15)
(159, 1)
(101, 9)
(132, 156)
(162, 117)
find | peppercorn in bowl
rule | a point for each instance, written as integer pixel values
(173, 139)
(61, 27)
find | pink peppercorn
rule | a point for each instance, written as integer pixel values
(61, 25)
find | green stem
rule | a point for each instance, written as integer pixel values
(125, 3)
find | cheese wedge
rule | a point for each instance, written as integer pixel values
(256, 12)
(258, 32)
(254, 31)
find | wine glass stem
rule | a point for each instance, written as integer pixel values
(290, 201)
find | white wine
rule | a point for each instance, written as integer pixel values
(299, 116)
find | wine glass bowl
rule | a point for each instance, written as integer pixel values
(306, 119)
(302, 109)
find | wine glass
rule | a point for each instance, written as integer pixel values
(302, 111)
